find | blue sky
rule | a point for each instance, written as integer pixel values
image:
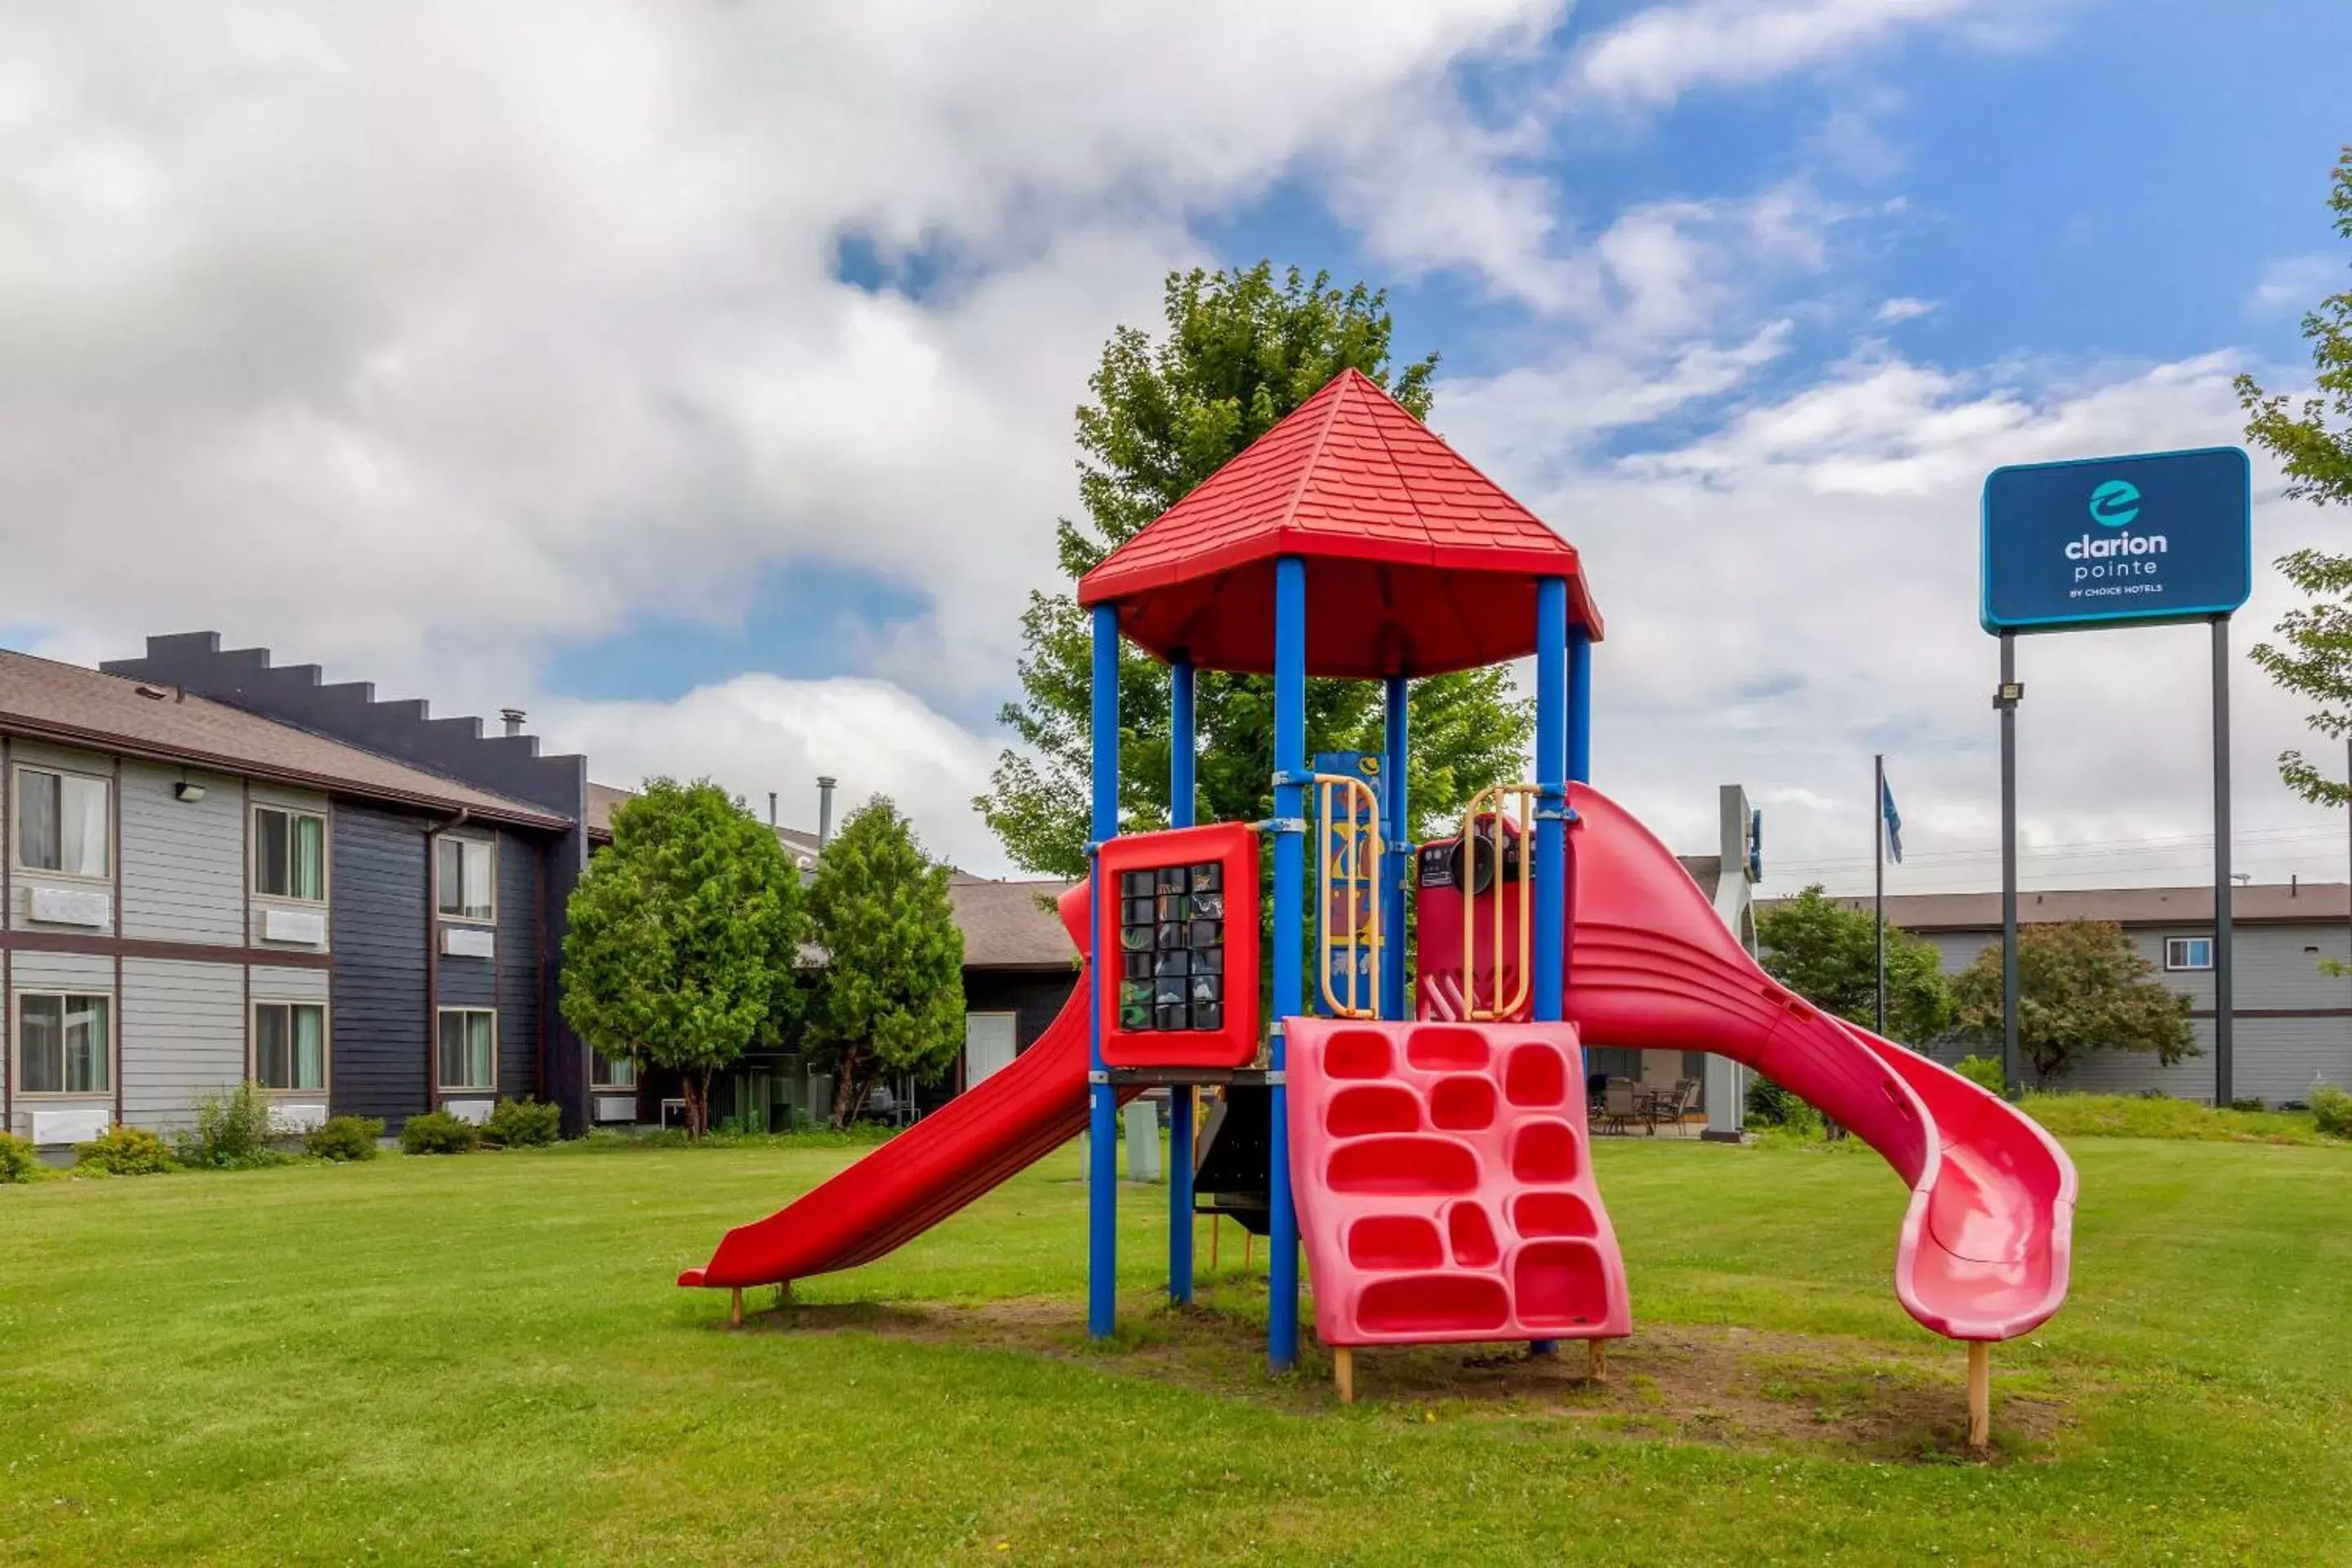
(704, 384)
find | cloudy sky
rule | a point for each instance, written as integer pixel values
(699, 376)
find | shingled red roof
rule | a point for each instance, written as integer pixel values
(1416, 563)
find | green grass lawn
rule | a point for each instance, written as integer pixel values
(483, 1360)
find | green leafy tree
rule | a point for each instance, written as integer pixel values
(2313, 441)
(1242, 349)
(2083, 986)
(891, 1000)
(684, 937)
(1827, 953)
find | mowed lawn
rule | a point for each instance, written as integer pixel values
(484, 1360)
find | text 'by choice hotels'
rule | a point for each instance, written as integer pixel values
(2155, 536)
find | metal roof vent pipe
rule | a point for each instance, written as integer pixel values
(513, 717)
(823, 812)
(772, 810)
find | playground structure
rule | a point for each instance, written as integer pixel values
(1427, 1134)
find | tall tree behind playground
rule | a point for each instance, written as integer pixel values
(1242, 348)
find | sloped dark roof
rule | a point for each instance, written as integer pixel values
(71, 706)
(2269, 902)
(1011, 925)
(1418, 564)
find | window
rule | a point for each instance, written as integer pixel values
(289, 1045)
(63, 1045)
(65, 823)
(2188, 952)
(467, 879)
(470, 1049)
(613, 1072)
(290, 854)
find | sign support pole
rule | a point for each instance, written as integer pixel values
(2011, 1074)
(2224, 1086)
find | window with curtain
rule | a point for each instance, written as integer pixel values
(65, 823)
(290, 854)
(467, 873)
(613, 1072)
(64, 1045)
(289, 1045)
(470, 1040)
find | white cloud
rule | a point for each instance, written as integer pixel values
(2297, 284)
(490, 331)
(756, 734)
(1656, 55)
(1796, 589)
(1903, 307)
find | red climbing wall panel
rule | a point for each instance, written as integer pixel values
(1444, 1181)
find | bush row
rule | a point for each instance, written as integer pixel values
(237, 1130)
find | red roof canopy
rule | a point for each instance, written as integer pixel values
(1417, 563)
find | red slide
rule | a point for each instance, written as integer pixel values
(978, 1139)
(1984, 1248)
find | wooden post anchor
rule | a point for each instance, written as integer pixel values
(1980, 1393)
(1596, 1359)
(735, 1308)
(1343, 1368)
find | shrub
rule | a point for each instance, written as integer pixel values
(20, 1160)
(341, 1138)
(124, 1151)
(524, 1124)
(2248, 1103)
(1769, 1105)
(2332, 1108)
(1983, 1071)
(438, 1132)
(233, 1132)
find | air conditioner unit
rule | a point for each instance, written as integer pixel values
(70, 906)
(474, 1111)
(308, 926)
(71, 1123)
(291, 1120)
(469, 942)
(617, 1107)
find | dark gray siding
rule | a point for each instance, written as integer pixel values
(381, 1056)
(1032, 997)
(517, 980)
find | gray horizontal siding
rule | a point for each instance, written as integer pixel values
(182, 862)
(381, 1058)
(182, 1034)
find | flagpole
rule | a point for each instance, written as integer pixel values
(1878, 875)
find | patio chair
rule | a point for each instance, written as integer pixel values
(1676, 1107)
(1620, 1105)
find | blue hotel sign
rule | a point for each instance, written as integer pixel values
(2161, 536)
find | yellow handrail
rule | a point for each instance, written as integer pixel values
(1480, 804)
(1360, 843)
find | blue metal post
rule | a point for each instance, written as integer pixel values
(1579, 706)
(1179, 1096)
(1551, 796)
(1289, 908)
(1397, 865)
(1102, 1120)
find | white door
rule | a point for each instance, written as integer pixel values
(988, 1046)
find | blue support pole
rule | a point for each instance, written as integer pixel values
(1289, 908)
(1396, 740)
(1551, 796)
(1579, 706)
(1102, 1119)
(1179, 1096)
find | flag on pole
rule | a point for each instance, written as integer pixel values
(1891, 818)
